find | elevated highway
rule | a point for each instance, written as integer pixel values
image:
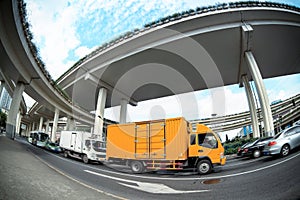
(284, 113)
(21, 69)
(213, 57)
(205, 48)
(201, 49)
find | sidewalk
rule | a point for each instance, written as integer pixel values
(23, 176)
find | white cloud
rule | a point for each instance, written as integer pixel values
(54, 33)
(83, 51)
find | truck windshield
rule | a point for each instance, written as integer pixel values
(43, 137)
(99, 146)
(207, 140)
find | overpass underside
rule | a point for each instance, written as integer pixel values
(201, 51)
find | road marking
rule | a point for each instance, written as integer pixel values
(155, 188)
(202, 178)
(180, 179)
(73, 179)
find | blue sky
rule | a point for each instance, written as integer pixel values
(65, 31)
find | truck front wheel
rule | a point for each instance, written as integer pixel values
(66, 154)
(137, 167)
(204, 167)
(85, 159)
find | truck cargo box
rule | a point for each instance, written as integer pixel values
(150, 140)
(73, 140)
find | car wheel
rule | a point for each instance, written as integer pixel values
(66, 154)
(204, 167)
(85, 159)
(136, 167)
(256, 154)
(285, 150)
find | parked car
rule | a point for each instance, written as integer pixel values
(241, 149)
(254, 149)
(283, 142)
(51, 146)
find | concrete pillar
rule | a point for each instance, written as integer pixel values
(14, 109)
(70, 124)
(262, 94)
(33, 126)
(123, 111)
(99, 114)
(18, 123)
(47, 127)
(26, 130)
(54, 127)
(29, 129)
(41, 123)
(252, 107)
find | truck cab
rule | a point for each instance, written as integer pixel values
(95, 149)
(205, 150)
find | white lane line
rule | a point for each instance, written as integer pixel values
(155, 188)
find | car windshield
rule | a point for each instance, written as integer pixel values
(263, 140)
(277, 135)
(53, 144)
(252, 143)
(245, 145)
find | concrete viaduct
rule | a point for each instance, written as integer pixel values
(205, 48)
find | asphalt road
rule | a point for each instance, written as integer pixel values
(243, 178)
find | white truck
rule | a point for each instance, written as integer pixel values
(82, 145)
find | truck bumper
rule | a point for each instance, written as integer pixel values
(223, 161)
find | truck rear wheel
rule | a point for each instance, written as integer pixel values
(204, 167)
(85, 159)
(137, 167)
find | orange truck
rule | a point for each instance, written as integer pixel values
(168, 144)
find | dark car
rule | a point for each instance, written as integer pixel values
(241, 149)
(254, 149)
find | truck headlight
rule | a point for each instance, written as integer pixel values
(222, 155)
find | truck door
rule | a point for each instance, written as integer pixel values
(204, 144)
(73, 141)
(150, 140)
(193, 147)
(208, 146)
(142, 141)
(157, 142)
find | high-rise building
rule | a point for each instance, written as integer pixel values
(5, 100)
